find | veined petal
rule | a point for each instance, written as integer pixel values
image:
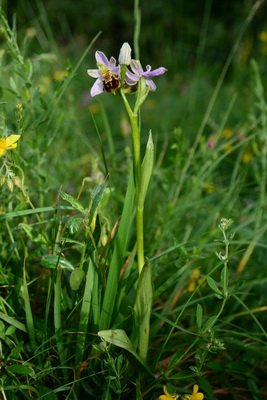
(11, 141)
(101, 58)
(152, 86)
(131, 78)
(116, 70)
(112, 63)
(97, 88)
(94, 73)
(136, 67)
(155, 72)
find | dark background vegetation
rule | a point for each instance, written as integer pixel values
(172, 30)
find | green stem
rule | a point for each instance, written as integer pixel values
(57, 320)
(137, 175)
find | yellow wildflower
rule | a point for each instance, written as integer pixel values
(263, 37)
(246, 157)
(60, 75)
(196, 395)
(227, 133)
(195, 279)
(167, 395)
(8, 143)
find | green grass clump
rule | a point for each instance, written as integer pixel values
(75, 311)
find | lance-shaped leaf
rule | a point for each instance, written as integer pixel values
(143, 307)
(146, 170)
(75, 203)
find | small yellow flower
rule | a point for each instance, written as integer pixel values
(8, 143)
(60, 75)
(167, 395)
(196, 395)
(246, 157)
(227, 133)
(263, 37)
(195, 279)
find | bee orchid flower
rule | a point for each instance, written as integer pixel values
(107, 75)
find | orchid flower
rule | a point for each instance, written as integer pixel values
(8, 143)
(133, 77)
(107, 74)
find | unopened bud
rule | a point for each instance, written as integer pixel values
(125, 54)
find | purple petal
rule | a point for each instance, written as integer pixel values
(101, 58)
(97, 88)
(112, 63)
(136, 67)
(94, 73)
(131, 78)
(115, 70)
(151, 85)
(155, 72)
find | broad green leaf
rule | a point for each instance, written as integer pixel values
(212, 284)
(143, 307)
(20, 369)
(119, 338)
(52, 261)
(76, 278)
(75, 203)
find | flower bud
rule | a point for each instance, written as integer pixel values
(125, 54)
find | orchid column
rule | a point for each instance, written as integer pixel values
(112, 78)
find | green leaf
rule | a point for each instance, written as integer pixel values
(209, 324)
(20, 369)
(213, 285)
(75, 203)
(96, 197)
(199, 315)
(146, 169)
(13, 322)
(33, 211)
(32, 233)
(76, 278)
(182, 375)
(52, 261)
(10, 330)
(143, 307)
(73, 224)
(119, 338)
